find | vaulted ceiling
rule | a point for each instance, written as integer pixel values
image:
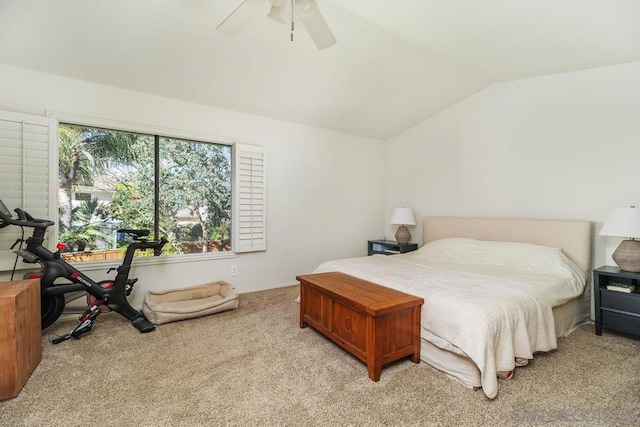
(395, 64)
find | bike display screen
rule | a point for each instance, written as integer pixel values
(4, 209)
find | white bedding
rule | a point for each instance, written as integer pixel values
(492, 300)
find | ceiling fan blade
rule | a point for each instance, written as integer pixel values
(314, 23)
(237, 19)
(278, 13)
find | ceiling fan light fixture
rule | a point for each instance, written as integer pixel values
(306, 10)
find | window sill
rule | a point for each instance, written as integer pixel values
(161, 260)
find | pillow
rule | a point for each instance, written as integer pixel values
(514, 256)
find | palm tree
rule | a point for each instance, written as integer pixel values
(85, 152)
(85, 230)
(75, 165)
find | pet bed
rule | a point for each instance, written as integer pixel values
(187, 303)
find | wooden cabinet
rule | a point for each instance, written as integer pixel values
(376, 324)
(20, 335)
(615, 310)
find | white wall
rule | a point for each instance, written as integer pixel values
(560, 146)
(324, 189)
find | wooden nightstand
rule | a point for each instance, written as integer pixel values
(389, 247)
(615, 310)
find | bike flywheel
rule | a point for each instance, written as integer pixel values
(91, 300)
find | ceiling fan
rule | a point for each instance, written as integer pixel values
(306, 10)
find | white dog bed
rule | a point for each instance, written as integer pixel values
(187, 303)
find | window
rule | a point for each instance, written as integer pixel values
(111, 179)
(104, 179)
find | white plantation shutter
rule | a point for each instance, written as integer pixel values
(24, 174)
(249, 211)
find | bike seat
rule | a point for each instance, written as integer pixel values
(134, 232)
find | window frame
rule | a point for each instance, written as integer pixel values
(82, 120)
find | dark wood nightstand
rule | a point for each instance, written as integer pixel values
(389, 247)
(615, 310)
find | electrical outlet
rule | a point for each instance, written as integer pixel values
(234, 270)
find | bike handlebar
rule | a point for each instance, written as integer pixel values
(163, 241)
(141, 242)
(156, 245)
(24, 220)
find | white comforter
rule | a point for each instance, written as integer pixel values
(492, 300)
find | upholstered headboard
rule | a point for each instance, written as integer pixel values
(572, 236)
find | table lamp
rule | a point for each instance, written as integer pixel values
(402, 217)
(625, 222)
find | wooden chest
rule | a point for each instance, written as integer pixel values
(20, 335)
(376, 324)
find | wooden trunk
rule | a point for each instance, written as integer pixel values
(376, 324)
(20, 335)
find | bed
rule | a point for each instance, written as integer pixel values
(496, 291)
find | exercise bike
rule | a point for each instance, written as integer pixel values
(106, 295)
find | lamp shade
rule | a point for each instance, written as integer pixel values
(622, 222)
(402, 216)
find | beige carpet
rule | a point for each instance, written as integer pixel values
(255, 366)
